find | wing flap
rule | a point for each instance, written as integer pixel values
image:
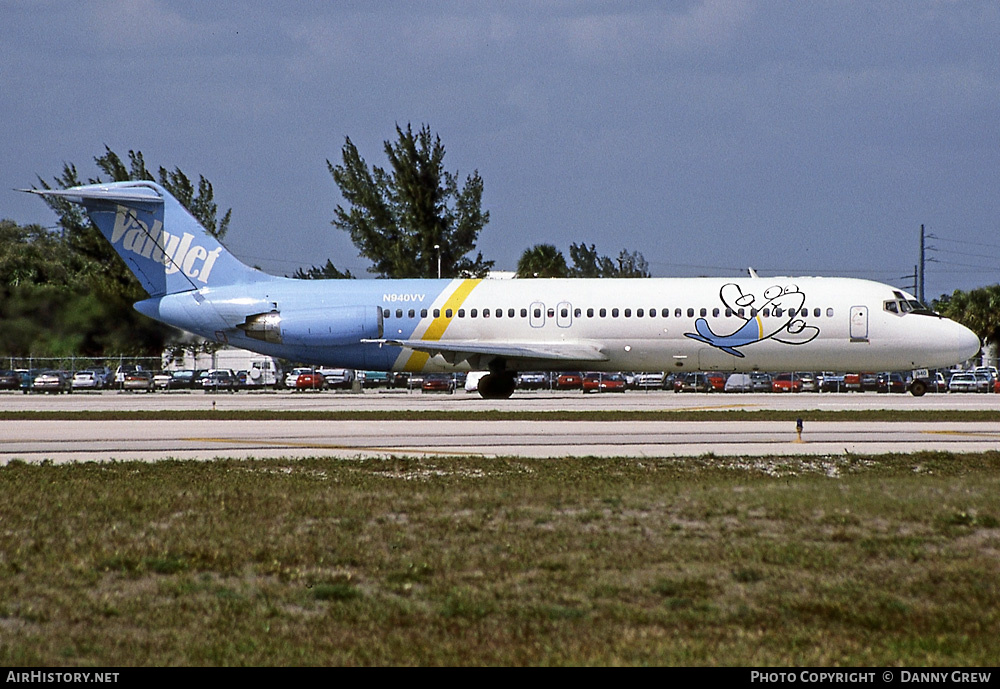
(548, 351)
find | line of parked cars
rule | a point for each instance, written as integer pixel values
(982, 379)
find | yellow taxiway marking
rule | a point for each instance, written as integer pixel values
(330, 446)
(710, 407)
(977, 434)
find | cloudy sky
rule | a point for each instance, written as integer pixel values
(711, 135)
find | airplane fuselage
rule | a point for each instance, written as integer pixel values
(504, 326)
(650, 324)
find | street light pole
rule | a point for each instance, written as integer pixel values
(437, 247)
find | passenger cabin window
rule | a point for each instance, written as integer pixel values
(614, 313)
(590, 313)
(385, 313)
(423, 313)
(524, 313)
(448, 313)
(604, 313)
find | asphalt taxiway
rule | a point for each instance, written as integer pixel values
(61, 440)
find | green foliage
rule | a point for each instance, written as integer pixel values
(542, 261)
(545, 260)
(397, 217)
(68, 292)
(327, 272)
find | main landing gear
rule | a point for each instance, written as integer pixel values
(499, 383)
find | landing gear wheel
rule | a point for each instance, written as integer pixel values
(918, 388)
(497, 386)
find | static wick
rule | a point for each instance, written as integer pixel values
(798, 431)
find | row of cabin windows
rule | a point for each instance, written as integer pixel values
(777, 312)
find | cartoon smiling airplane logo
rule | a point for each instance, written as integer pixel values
(787, 327)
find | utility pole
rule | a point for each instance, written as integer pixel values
(920, 269)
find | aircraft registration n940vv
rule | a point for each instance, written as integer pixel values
(506, 326)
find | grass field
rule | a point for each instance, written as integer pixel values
(847, 560)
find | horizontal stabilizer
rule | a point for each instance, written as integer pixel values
(101, 193)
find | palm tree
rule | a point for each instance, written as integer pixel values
(542, 261)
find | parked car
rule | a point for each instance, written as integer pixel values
(984, 380)
(717, 380)
(786, 382)
(869, 382)
(438, 382)
(308, 379)
(833, 382)
(891, 382)
(963, 382)
(569, 381)
(809, 382)
(650, 380)
(219, 379)
(374, 379)
(89, 379)
(292, 376)
(138, 380)
(739, 382)
(161, 379)
(338, 377)
(695, 382)
(52, 381)
(604, 382)
(183, 379)
(533, 380)
(10, 380)
(122, 371)
(760, 382)
(852, 382)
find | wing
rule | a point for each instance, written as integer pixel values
(458, 350)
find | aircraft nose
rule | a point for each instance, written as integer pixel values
(967, 341)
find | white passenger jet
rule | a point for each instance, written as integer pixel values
(506, 326)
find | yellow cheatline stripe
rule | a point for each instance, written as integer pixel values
(436, 329)
(760, 328)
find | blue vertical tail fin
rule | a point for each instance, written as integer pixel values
(161, 242)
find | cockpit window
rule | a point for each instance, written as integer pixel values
(902, 305)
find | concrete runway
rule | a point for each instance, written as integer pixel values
(61, 440)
